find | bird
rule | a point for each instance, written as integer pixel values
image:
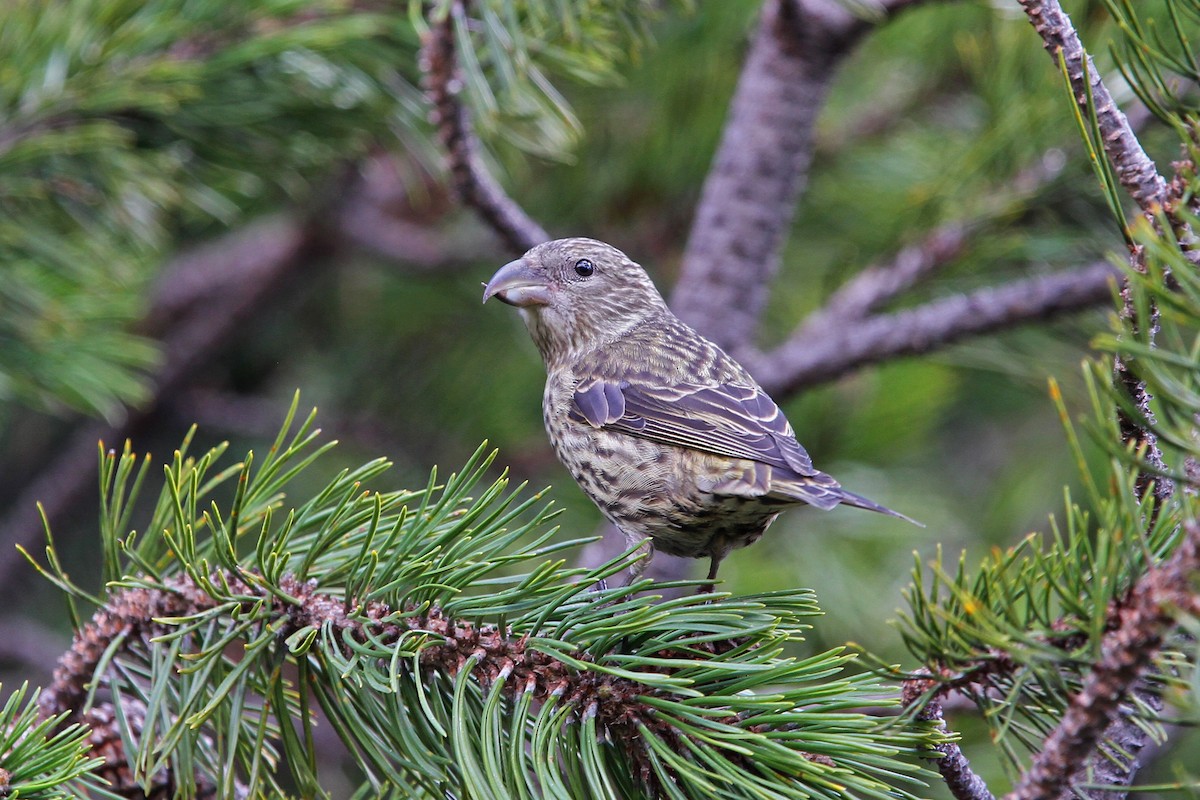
(671, 438)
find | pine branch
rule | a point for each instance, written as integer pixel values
(1134, 168)
(475, 185)
(42, 759)
(441, 667)
(1126, 653)
(760, 167)
(491, 656)
(953, 765)
(1135, 172)
(803, 361)
(879, 283)
(1136, 428)
(1115, 762)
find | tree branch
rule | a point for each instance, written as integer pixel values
(954, 767)
(1126, 653)
(805, 360)
(1116, 760)
(1135, 171)
(1139, 177)
(760, 167)
(474, 184)
(879, 283)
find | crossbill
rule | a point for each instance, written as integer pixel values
(670, 437)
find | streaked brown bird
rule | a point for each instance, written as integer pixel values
(670, 437)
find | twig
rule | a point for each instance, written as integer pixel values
(803, 361)
(879, 283)
(954, 767)
(1140, 179)
(473, 182)
(1126, 652)
(1134, 169)
(876, 285)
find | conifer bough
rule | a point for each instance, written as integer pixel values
(446, 645)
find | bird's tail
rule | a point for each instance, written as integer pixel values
(858, 501)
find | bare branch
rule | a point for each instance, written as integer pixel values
(474, 183)
(877, 284)
(874, 286)
(954, 767)
(1126, 652)
(804, 360)
(1134, 169)
(760, 167)
(1116, 761)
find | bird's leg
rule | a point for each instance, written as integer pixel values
(718, 548)
(644, 553)
(713, 563)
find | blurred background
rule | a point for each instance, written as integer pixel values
(276, 219)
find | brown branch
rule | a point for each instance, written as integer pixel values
(805, 361)
(1119, 756)
(1134, 169)
(760, 167)
(1126, 653)
(130, 619)
(472, 181)
(879, 283)
(1138, 175)
(953, 765)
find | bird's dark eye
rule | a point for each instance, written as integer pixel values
(584, 268)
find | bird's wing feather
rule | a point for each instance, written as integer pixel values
(731, 419)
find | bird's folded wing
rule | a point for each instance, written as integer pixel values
(733, 420)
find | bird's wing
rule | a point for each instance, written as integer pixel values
(733, 420)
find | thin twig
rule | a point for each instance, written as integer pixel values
(876, 285)
(803, 361)
(953, 765)
(1134, 168)
(879, 283)
(1139, 177)
(472, 181)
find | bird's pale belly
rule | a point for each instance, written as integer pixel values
(650, 490)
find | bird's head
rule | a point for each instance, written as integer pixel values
(575, 294)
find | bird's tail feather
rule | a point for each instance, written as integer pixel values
(858, 501)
